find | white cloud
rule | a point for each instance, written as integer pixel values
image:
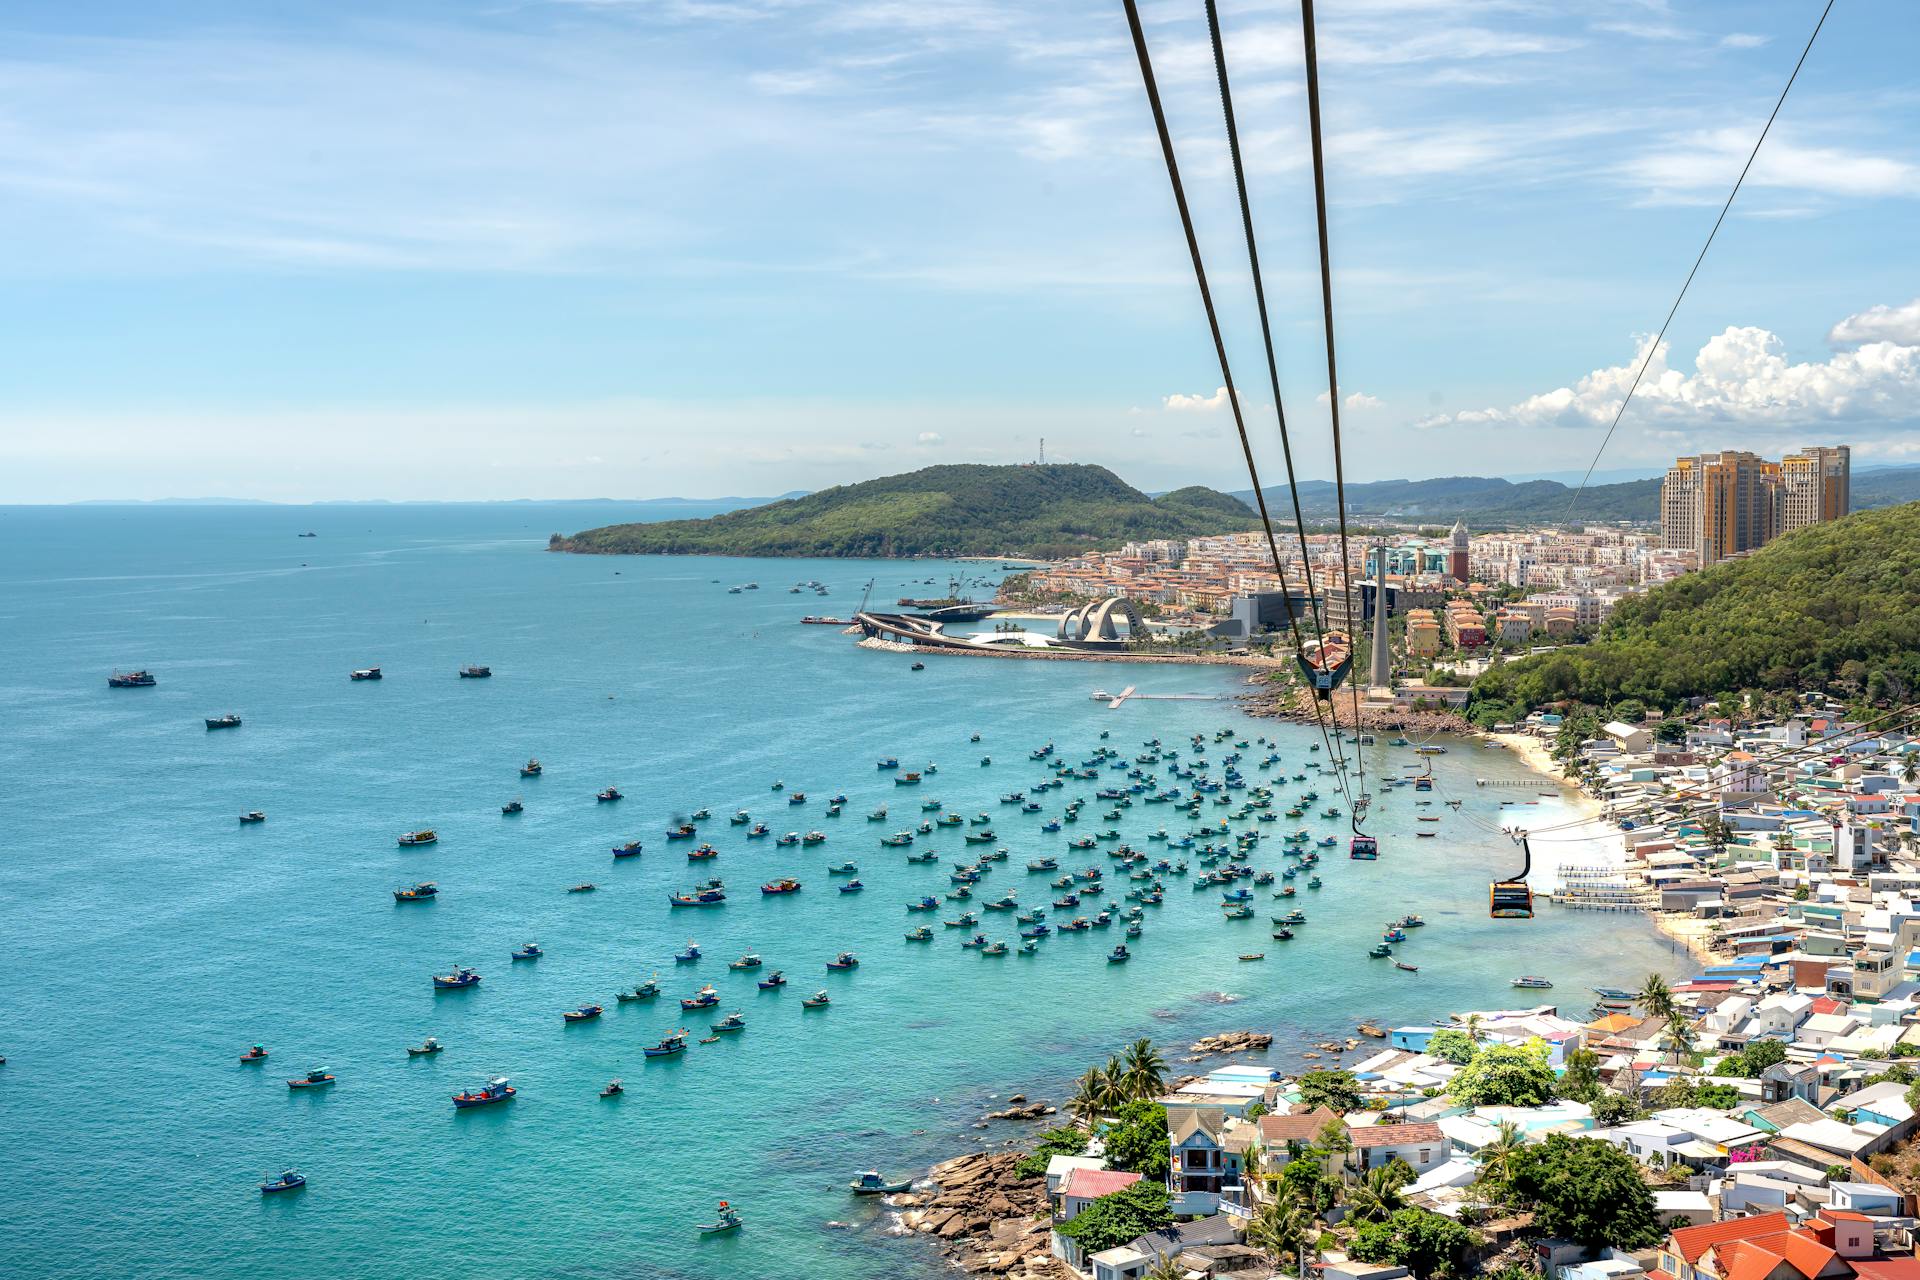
(1354, 401)
(930, 438)
(1741, 378)
(1879, 324)
(1743, 40)
(1703, 164)
(1178, 403)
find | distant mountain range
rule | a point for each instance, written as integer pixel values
(437, 502)
(1488, 502)
(1026, 511)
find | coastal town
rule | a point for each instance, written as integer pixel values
(1756, 1119)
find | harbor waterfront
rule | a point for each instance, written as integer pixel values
(155, 937)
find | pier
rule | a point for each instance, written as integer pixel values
(1113, 700)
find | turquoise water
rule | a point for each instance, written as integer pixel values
(151, 938)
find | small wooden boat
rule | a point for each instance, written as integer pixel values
(318, 1078)
(748, 961)
(585, 886)
(1410, 968)
(725, 1220)
(772, 981)
(528, 951)
(532, 769)
(732, 1022)
(631, 849)
(818, 1000)
(1119, 955)
(786, 884)
(460, 977)
(845, 960)
(648, 990)
(252, 816)
(411, 838)
(256, 1054)
(512, 807)
(609, 794)
(740, 818)
(613, 1090)
(675, 1042)
(425, 1049)
(288, 1181)
(228, 721)
(474, 671)
(1254, 955)
(425, 891)
(585, 1013)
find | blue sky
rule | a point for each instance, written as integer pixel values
(563, 248)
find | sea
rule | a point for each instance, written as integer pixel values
(151, 937)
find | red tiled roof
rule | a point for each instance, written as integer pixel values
(1827, 1004)
(1887, 1268)
(1091, 1184)
(1691, 1242)
(1302, 1126)
(1844, 1215)
(1394, 1135)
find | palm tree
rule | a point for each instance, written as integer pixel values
(1473, 1027)
(1679, 1038)
(1656, 1001)
(1165, 1269)
(1911, 774)
(1376, 1197)
(1146, 1071)
(1497, 1161)
(1089, 1097)
(1279, 1229)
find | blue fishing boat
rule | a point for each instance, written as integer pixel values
(697, 898)
(772, 981)
(318, 1078)
(425, 891)
(648, 990)
(585, 1013)
(732, 1022)
(818, 1000)
(705, 998)
(528, 951)
(672, 1043)
(460, 977)
(1119, 955)
(287, 1181)
(688, 956)
(845, 960)
(726, 1220)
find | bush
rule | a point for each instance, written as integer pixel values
(1452, 1045)
(1054, 1142)
(1137, 1141)
(1504, 1075)
(1586, 1190)
(1126, 1214)
(1426, 1244)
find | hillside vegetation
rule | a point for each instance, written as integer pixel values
(1831, 606)
(1489, 502)
(1038, 511)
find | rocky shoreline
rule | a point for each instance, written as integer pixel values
(1296, 706)
(984, 1217)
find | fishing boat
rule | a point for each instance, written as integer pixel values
(1119, 955)
(672, 1043)
(631, 849)
(852, 886)
(748, 961)
(607, 795)
(1282, 934)
(889, 763)
(898, 840)
(228, 721)
(918, 666)
(725, 1220)
(786, 884)
(425, 891)
(797, 797)
(412, 838)
(364, 673)
(758, 830)
(585, 1013)
(474, 671)
(493, 1091)
(772, 980)
(459, 978)
(698, 898)
(994, 949)
(705, 998)
(1616, 994)
(291, 1180)
(685, 831)
(791, 838)
(613, 1090)
(974, 943)
(868, 1182)
(688, 956)
(318, 1078)
(845, 960)
(425, 1049)
(928, 903)
(814, 837)
(1379, 951)
(1411, 922)
(512, 807)
(648, 990)
(740, 818)
(585, 886)
(732, 1022)
(528, 951)
(1532, 982)
(532, 769)
(907, 780)
(878, 815)
(1254, 955)
(818, 1000)
(1410, 968)
(131, 680)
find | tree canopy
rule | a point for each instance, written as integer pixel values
(1126, 1214)
(1425, 1243)
(1065, 1141)
(1504, 1075)
(1453, 1045)
(1585, 1190)
(1137, 1140)
(1336, 1090)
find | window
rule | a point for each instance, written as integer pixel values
(1426, 1154)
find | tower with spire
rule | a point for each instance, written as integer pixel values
(1457, 558)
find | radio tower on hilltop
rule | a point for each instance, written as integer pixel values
(1043, 451)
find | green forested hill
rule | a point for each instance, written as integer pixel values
(1832, 606)
(950, 510)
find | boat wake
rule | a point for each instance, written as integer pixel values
(1216, 997)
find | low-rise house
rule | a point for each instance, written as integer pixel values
(1060, 1168)
(1421, 1146)
(1179, 1241)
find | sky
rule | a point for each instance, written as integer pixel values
(637, 248)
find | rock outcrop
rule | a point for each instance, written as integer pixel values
(1231, 1042)
(1028, 1111)
(987, 1219)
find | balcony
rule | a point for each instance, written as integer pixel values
(1195, 1204)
